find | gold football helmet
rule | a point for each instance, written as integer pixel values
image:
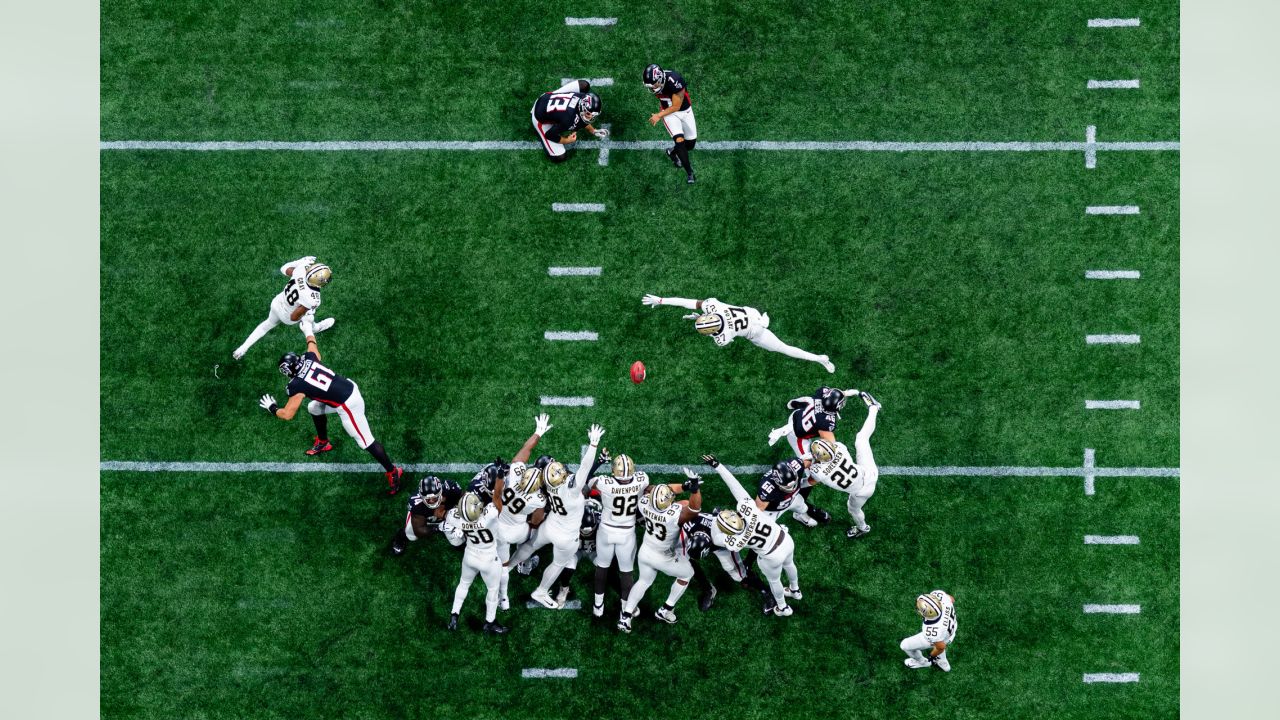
(928, 607)
(709, 324)
(662, 497)
(822, 451)
(318, 276)
(624, 468)
(731, 523)
(471, 507)
(530, 482)
(555, 474)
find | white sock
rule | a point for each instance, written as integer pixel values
(460, 595)
(263, 328)
(677, 590)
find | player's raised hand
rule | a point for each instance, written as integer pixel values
(307, 260)
(595, 433)
(693, 483)
(711, 460)
(651, 300)
(268, 403)
(604, 456)
(542, 424)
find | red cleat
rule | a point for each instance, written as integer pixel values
(393, 479)
(321, 446)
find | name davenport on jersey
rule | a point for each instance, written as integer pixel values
(620, 499)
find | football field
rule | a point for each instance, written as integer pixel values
(995, 257)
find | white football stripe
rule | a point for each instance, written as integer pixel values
(1112, 85)
(1113, 339)
(573, 271)
(1110, 539)
(595, 21)
(1091, 147)
(1112, 405)
(1110, 677)
(1089, 459)
(577, 207)
(1114, 22)
(1112, 274)
(1111, 210)
(568, 401)
(549, 673)
(570, 335)
(1112, 609)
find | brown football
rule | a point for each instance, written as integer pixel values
(637, 372)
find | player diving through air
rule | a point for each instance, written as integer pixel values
(724, 322)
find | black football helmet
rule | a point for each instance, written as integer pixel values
(431, 490)
(590, 519)
(589, 108)
(290, 364)
(491, 472)
(543, 461)
(698, 544)
(832, 399)
(654, 78)
(784, 476)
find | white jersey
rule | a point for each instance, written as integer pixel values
(478, 535)
(840, 473)
(942, 628)
(296, 290)
(620, 499)
(517, 506)
(564, 508)
(738, 320)
(763, 533)
(661, 527)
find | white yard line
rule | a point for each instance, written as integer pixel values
(571, 605)
(1112, 85)
(549, 673)
(1091, 147)
(577, 207)
(656, 469)
(605, 145)
(1110, 539)
(572, 335)
(1090, 457)
(594, 21)
(573, 271)
(1112, 609)
(568, 401)
(1112, 274)
(601, 82)
(1111, 210)
(1112, 339)
(1114, 22)
(1110, 677)
(1112, 405)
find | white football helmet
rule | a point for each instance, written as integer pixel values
(731, 523)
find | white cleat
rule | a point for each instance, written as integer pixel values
(504, 604)
(543, 598)
(783, 611)
(324, 324)
(597, 610)
(624, 623)
(805, 519)
(777, 434)
(237, 354)
(826, 363)
(916, 664)
(870, 401)
(857, 532)
(528, 566)
(793, 593)
(943, 663)
(665, 615)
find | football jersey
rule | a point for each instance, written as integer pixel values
(674, 85)
(840, 473)
(738, 320)
(661, 527)
(808, 418)
(318, 382)
(776, 498)
(587, 534)
(564, 507)
(518, 506)
(560, 110)
(620, 499)
(451, 494)
(762, 534)
(943, 627)
(297, 292)
(478, 535)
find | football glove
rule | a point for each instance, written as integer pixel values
(594, 434)
(711, 460)
(602, 133)
(542, 424)
(268, 403)
(691, 316)
(605, 457)
(693, 483)
(651, 300)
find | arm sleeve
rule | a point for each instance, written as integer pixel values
(585, 467)
(452, 532)
(681, 302)
(735, 487)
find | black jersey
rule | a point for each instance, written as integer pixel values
(318, 382)
(451, 494)
(482, 485)
(674, 86)
(587, 531)
(808, 417)
(776, 498)
(560, 110)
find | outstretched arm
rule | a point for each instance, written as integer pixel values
(289, 267)
(739, 493)
(584, 468)
(542, 424)
(687, 303)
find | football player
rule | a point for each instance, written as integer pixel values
(566, 502)
(586, 548)
(724, 322)
(558, 114)
(811, 417)
(472, 522)
(662, 548)
(701, 537)
(780, 490)
(299, 299)
(427, 508)
(675, 113)
(853, 474)
(328, 393)
(521, 504)
(486, 479)
(620, 493)
(938, 611)
(749, 527)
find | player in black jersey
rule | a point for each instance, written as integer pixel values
(483, 482)
(427, 509)
(676, 114)
(698, 538)
(558, 115)
(329, 393)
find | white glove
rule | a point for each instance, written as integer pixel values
(594, 434)
(777, 434)
(308, 260)
(542, 424)
(602, 133)
(651, 300)
(266, 401)
(307, 325)
(691, 316)
(690, 474)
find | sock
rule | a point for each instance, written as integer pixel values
(602, 579)
(549, 576)
(677, 590)
(565, 576)
(682, 152)
(767, 340)
(754, 582)
(502, 584)
(375, 449)
(403, 537)
(700, 577)
(322, 426)
(625, 581)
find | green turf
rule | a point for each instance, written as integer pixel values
(950, 284)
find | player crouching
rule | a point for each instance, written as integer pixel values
(427, 510)
(938, 611)
(558, 114)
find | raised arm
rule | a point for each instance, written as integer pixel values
(735, 487)
(694, 486)
(585, 467)
(686, 303)
(289, 267)
(542, 424)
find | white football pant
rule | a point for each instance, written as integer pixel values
(766, 339)
(773, 564)
(564, 548)
(490, 569)
(681, 123)
(915, 646)
(278, 314)
(617, 543)
(651, 562)
(867, 467)
(732, 564)
(351, 413)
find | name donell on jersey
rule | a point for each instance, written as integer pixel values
(479, 534)
(661, 527)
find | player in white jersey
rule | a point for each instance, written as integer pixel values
(521, 504)
(662, 549)
(854, 474)
(566, 500)
(756, 530)
(295, 304)
(620, 493)
(472, 522)
(724, 322)
(938, 611)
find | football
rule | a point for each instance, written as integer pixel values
(637, 372)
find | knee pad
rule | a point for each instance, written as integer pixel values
(678, 138)
(315, 407)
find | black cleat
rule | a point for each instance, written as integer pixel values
(398, 545)
(822, 516)
(675, 159)
(769, 603)
(493, 628)
(690, 179)
(453, 622)
(393, 481)
(707, 599)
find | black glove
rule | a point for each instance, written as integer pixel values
(604, 456)
(691, 486)
(711, 460)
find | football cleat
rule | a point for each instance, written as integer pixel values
(666, 615)
(597, 609)
(654, 78)
(624, 468)
(709, 324)
(318, 276)
(856, 532)
(493, 628)
(325, 324)
(783, 611)
(707, 599)
(916, 664)
(690, 180)
(393, 480)
(661, 497)
(399, 544)
(793, 593)
(543, 598)
(928, 607)
(805, 519)
(320, 446)
(823, 451)
(528, 566)
(471, 507)
(769, 602)
(453, 622)
(290, 364)
(237, 354)
(822, 516)
(671, 155)
(870, 401)
(942, 662)
(624, 623)
(826, 363)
